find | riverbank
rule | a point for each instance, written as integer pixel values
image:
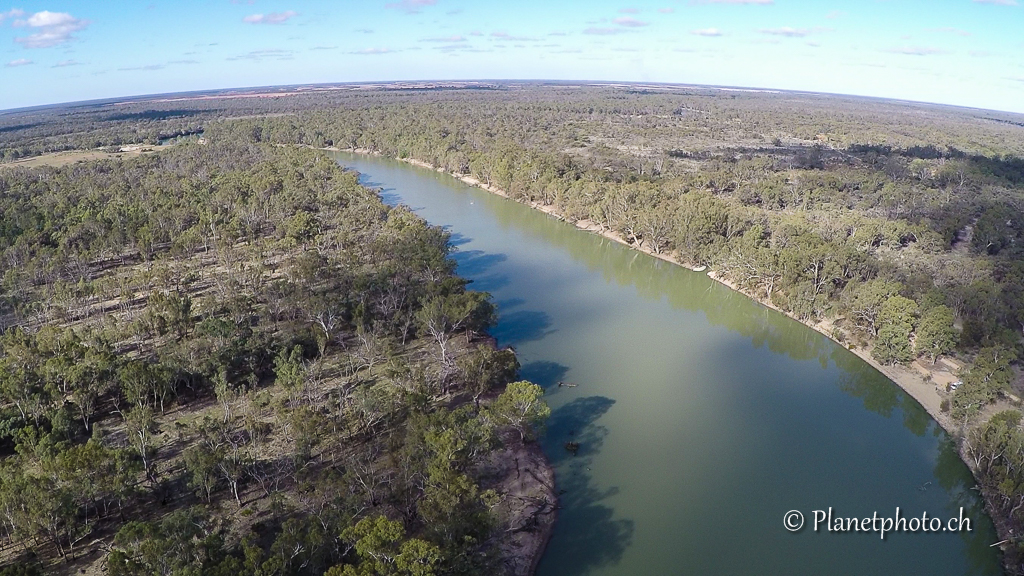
(910, 380)
(529, 503)
(918, 380)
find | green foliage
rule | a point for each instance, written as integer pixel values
(485, 369)
(990, 374)
(213, 272)
(184, 542)
(936, 334)
(866, 301)
(996, 450)
(288, 368)
(521, 407)
(202, 464)
(896, 320)
(811, 220)
(383, 550)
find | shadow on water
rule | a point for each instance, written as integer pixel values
(457, 239)
(508, 303)
(473, 263)
(521, 326)
(543, 373)
(390, 197)
(489, 283)
(576, 422)
(597, 538)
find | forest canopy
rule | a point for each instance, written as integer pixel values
(232, 358)
(239, 270)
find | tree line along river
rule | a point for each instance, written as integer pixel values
(702, 417)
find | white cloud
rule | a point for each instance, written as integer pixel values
(272, 18)
(260, 55)
(917, 51)
(711, 32)
(789, 32)
(950, 30)
(510, 38)
(55, 28)
(762, 2)
(786, 31)
(147, 68)
(410, 6)
(448, 39)
(372, 51)
(18, 62)
(630, 22)
(598, 31)
(12, 13)
(629, 10)
(666, 10)
(998, 2)
(66, 63)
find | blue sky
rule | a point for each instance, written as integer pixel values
(964, 52)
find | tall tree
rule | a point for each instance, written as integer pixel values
(936, 334)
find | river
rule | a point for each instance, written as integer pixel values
(702, 416)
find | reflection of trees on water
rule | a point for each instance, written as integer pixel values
(881, 396)
(958, 482)
(656, 279)
(592, 537)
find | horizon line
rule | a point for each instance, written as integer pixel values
(251, 89)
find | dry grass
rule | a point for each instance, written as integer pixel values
(61, 159)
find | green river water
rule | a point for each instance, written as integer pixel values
(702, 416)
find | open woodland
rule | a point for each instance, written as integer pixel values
(285, 331)
(232, 359)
